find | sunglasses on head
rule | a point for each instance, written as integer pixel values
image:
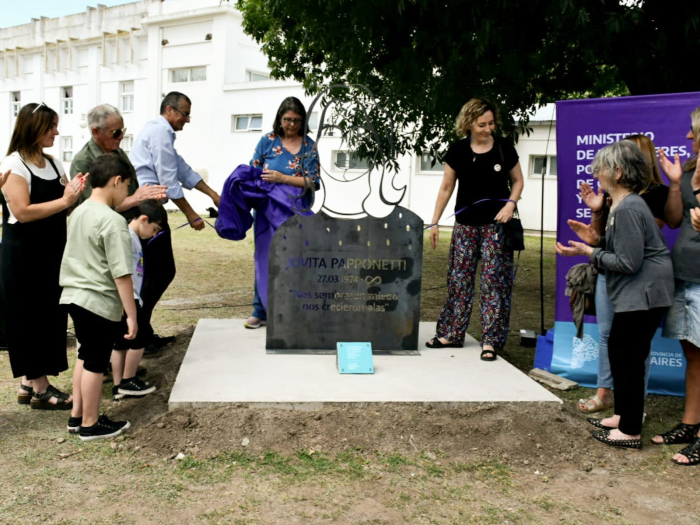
(38, 106)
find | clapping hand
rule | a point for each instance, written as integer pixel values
(672, 168)
(74, 188)
(574, 248)
(584, 231)
(147, 192)
(592, 199)
(695, 218)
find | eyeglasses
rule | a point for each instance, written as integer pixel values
(38, 106)
(117, 133)
(295, 121)
(183, 113)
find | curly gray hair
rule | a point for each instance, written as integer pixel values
(625, 155)
(98, 116)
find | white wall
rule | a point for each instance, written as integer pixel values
(207, 143)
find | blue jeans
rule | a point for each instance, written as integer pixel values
(604, 315)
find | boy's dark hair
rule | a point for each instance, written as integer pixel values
(107, 166)
(153, 210)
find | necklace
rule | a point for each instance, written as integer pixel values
(475, 154)
(615, 205)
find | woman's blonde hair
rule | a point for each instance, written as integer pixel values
(471, 111)
(646, 146)
(691, 163)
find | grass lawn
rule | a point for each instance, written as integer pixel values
(481, 464)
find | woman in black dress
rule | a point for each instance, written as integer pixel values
(37, 197)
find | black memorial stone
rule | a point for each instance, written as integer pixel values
(345, 280)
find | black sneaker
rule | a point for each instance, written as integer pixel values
(115, 393)
(104, 428)
(135, 387)
(74, 424)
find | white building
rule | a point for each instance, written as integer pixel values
(132, 55)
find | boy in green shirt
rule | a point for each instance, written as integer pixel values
(96, 279)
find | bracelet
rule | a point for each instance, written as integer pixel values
(695, 192)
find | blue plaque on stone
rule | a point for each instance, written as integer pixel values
(355, 358)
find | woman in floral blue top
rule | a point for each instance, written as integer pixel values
(287, 156)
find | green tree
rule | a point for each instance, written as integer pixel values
(422, 59)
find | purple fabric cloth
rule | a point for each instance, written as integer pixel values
(244, 191)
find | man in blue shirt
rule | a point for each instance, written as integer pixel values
(156, 161)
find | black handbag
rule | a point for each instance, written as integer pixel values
(513, 236)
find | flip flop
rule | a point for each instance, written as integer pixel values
(436, 343)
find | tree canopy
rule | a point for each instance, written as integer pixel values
(422, 59)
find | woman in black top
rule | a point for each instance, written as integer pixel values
(490, 184)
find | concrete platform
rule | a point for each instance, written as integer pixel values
(227, 364)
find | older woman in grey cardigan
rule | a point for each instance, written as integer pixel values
(640, 283)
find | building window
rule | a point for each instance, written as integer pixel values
(426, 164)
(344, 160)
(254, 76)
(67, 100)
(16, 99)
(127, 94)
(189, 74)
(67, 149)
(246, 123)
(549, 163)
(126, 143)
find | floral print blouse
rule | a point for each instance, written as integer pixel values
(270, 154)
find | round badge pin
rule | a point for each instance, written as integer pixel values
(497, 167)
(62, 181)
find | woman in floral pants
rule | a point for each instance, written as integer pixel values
(490, 183)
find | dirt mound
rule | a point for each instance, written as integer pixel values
(534, 434)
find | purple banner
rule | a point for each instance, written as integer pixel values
(584, 127)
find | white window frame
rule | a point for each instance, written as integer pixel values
(127, 143)
(188, 70)
(250, 75)
(335, 166)
(127, 97)
(249, 125)
(67, 100)
(548, 174)
(66, 148)
(16, 102)
(438, 169)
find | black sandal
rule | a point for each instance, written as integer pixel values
(43, 401)
(681, 433)
(604, 437)
(436, 343)
(484, 357)
(24, 398)
(692, 452)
